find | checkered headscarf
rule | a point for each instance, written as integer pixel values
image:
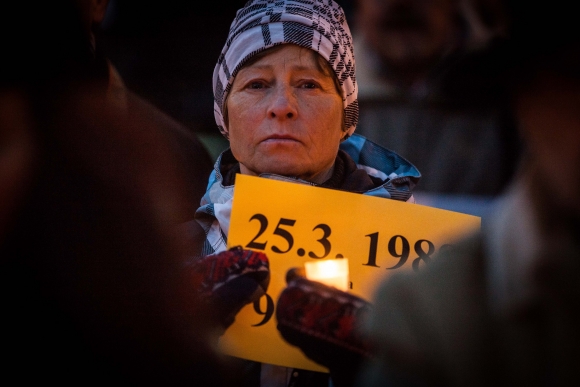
(316, 24)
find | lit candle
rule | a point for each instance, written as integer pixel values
(331, 272)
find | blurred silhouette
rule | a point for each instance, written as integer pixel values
(92, 278)
(503, 306)
(166, 53)
(428, 88)
(192, 155)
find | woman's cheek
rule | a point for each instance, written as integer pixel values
(247, 108)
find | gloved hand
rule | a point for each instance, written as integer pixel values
(229, 280)
(324, 323)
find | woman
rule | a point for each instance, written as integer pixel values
(285, 96)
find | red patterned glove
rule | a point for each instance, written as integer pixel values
(324, 323)
(229, 280)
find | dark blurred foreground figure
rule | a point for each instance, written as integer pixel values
(93, 289)
(92, 285)
(503, 308)
(191, 154)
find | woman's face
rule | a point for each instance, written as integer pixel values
(285, 116)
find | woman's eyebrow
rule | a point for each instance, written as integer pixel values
(270, 66)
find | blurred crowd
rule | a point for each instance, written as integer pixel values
(105, 150)
(430, 83)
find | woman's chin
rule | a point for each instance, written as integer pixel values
(285, 160)
(290, 163)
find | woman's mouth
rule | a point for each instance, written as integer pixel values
(280, 138)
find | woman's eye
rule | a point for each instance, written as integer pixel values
(256, 85)
(309, 85)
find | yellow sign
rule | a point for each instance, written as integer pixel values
(295, 223)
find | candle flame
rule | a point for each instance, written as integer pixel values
(332, 272)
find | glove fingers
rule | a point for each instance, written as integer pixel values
(230, 280)
(233, 296)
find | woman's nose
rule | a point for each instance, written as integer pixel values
(283, 104)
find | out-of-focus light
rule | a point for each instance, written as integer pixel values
(331, 272)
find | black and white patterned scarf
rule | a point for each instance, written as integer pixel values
(316, 24)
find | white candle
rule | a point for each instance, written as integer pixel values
(331, 272)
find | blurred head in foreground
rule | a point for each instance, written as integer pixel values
(92, 282)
